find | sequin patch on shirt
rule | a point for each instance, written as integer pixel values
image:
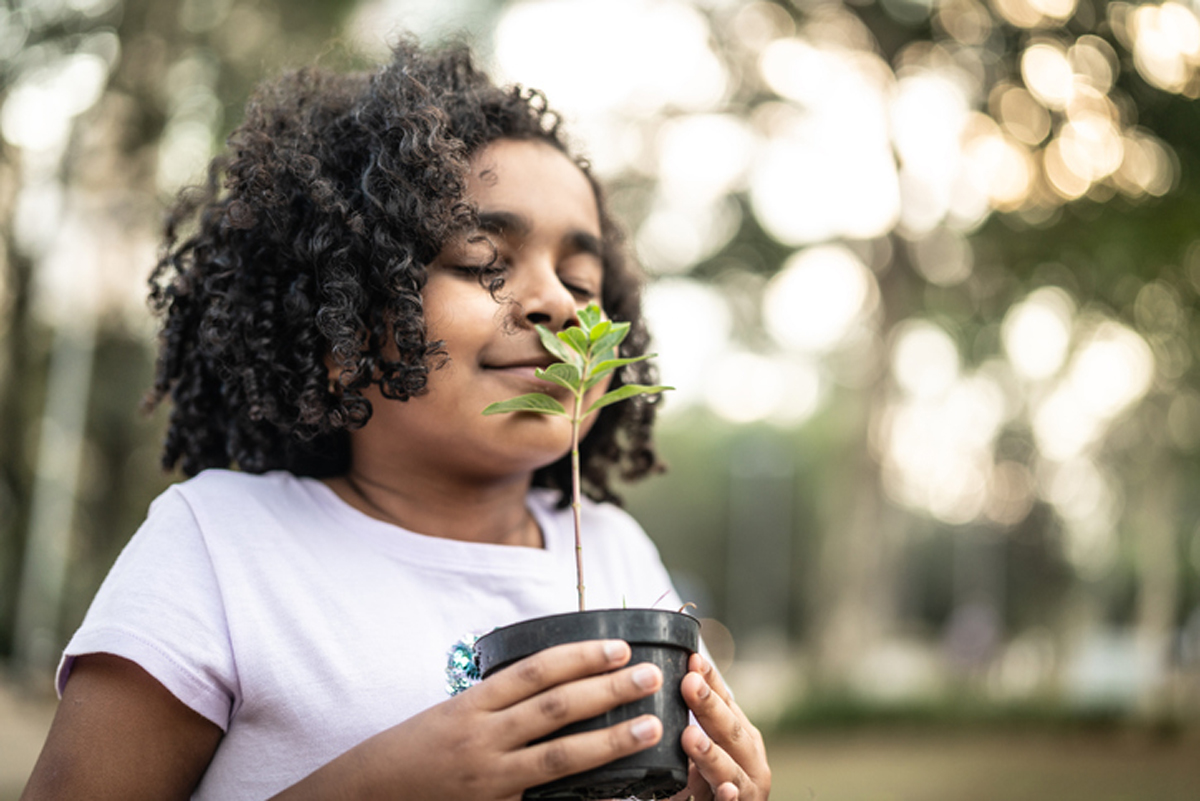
(462, 671)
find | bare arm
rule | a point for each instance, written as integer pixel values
(119, 734)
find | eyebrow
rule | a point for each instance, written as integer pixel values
(584, 242)
(503, 223)
(507, 223)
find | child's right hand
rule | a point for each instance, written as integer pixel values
(477, 744)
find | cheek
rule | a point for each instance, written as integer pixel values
(598, 390)
(464, 316)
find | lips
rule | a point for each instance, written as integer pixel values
(542, 360)
(523, 369)
(522, 365)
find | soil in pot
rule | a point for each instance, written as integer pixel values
(663, 638)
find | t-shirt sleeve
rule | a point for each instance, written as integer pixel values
(161, 607)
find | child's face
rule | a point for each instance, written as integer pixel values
(539, 212)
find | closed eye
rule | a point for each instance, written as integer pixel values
(581, 292)
(490, 276)
(490, 270)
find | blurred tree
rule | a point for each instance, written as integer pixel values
(1020, 178)
(108, 108)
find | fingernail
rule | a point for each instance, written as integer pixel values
(703, 692)
(614, 650)
(646, 677)
(704, 666)
(645, 729)
(704, 744)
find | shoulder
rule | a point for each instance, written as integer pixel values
(227, 493)
(234, 484)
(195, 515)
(217, 510)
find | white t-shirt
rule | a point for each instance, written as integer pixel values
(301, 626)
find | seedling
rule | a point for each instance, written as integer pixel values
(586, 354)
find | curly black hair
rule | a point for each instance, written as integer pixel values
(309, 243)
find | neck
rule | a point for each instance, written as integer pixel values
(471, 512)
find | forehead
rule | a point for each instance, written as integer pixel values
(535, 180)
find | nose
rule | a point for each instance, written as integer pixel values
(544, 300)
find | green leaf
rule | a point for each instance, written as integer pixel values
(590, 316)
(593, 381)
(576, 339)
(557, 348)
(622, 393)
(601, 369)
(598, 330)
(565, 375)
(533, 402)
(607, 366)
(609, 341)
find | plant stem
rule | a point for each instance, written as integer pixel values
(576, 495)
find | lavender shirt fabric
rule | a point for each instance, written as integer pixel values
(301, 626)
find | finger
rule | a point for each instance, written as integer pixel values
(581, 699)
(697, 788)
(574, 753)
(551, 667)
(725, 722)
(714, 764)
(699, 664)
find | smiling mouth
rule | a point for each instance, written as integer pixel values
(525, 372)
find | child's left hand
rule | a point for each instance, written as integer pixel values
(729, 760)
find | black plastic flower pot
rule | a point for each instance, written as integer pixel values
(663, 638)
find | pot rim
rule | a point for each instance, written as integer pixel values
(637, 626)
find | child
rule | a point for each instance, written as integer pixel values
(337, 316)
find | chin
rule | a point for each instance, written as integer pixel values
(535, 442)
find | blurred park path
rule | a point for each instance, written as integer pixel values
(24, 721)
(950, 765)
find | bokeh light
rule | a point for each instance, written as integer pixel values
(744, 387)
(1166, 46)
(703, 156)
(1037, 332)
(666, 59)
(925, 360)
(943, 257)
(1021, 114)
(1048, 74)
(826, 168)
(1087, 501)
(928, 117)
(679, 232)
(936, 443)
(39, 108)
(686, 347)
(1110, 369)
(814, 302)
